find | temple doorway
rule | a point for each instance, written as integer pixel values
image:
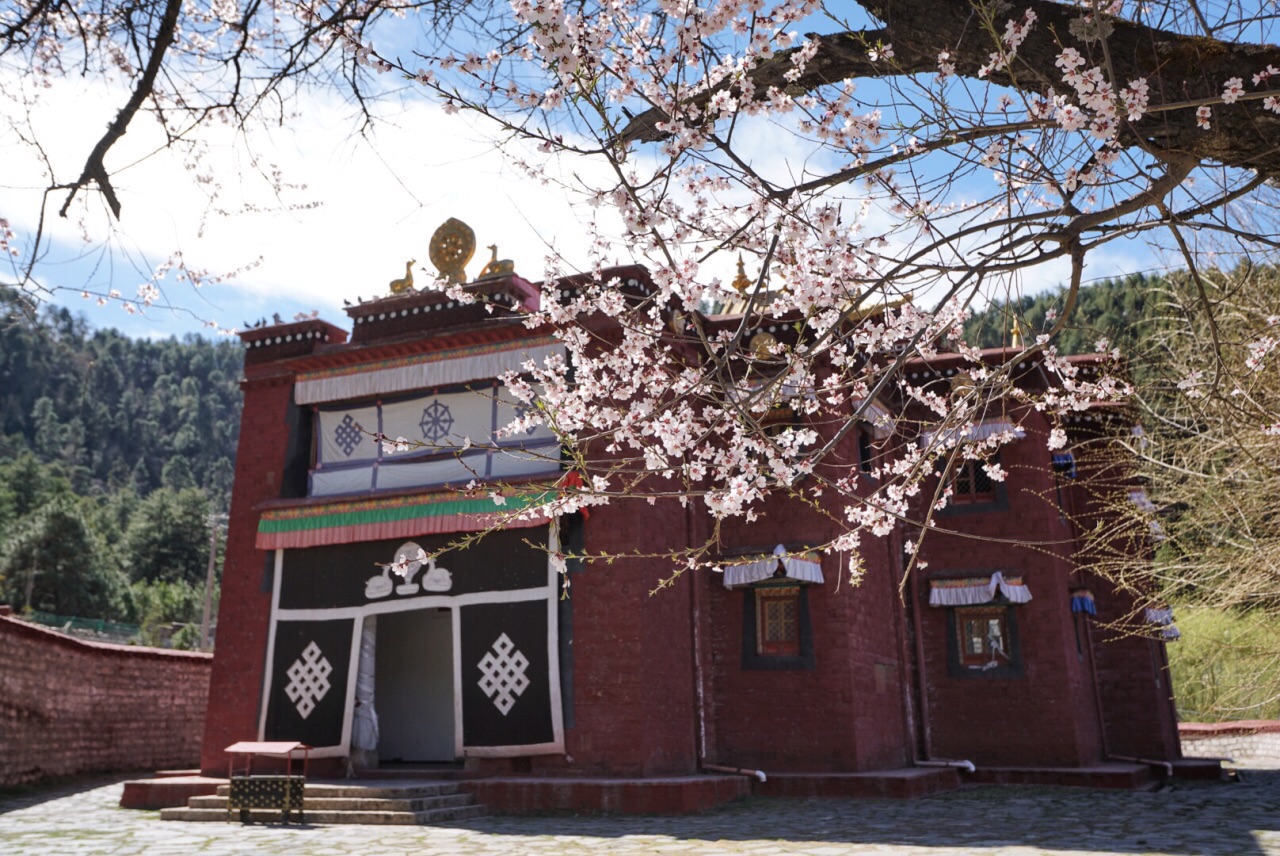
(414, 686)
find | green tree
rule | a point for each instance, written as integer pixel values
(52, 562)
(168, 537)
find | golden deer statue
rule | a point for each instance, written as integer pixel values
(400, 286)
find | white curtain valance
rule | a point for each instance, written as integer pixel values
(443, 368)
(972, 433)
(804, 568)
(976, 590)
(880, 419)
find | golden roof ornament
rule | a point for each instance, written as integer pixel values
(496, 268)
(401, 286)
(762, 345)
(452, 246)
(1015, 335)
(740, 282)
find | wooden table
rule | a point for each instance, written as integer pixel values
(274, 792)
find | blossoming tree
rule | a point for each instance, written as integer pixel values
(883, 166)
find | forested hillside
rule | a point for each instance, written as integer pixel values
(1115, 308)
(114, 453)
(115, 411)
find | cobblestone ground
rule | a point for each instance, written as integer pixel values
(1190, 818)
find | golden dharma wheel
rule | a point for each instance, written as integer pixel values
(452, 246)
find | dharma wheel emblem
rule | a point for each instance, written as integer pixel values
(452, 246)
(436, 421)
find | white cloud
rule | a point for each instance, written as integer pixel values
(352, 212)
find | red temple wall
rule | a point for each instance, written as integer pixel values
(70, 707)
(235, 688)
(1046, 716)
(633, 680)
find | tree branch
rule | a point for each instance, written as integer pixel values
(94, 168)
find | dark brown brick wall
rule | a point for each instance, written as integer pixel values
(69, 707)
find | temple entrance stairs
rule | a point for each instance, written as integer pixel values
(369, 802)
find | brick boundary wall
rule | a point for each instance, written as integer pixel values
(1253, 739)
(69, 706)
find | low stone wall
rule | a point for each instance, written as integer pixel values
(1252, 739)
(69, 707)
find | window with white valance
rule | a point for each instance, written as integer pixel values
(982, 631)
(804, 567)
(969, 591)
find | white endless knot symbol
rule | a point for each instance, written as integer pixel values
(502, 676)
(308, 680)
(347, 435)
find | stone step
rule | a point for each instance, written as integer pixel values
(430, 816)
(361, 803)
(380, 790)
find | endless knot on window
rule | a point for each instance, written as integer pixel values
(436, 422)
(308, 680)
(502, 677)
(347, 434)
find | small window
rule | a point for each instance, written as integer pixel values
(983, 641)
(775, 627)
(778, 621)
(866, 452)
(971, 483)
(984, 636)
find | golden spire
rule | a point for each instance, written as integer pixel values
(740, 282)
(1015, 335)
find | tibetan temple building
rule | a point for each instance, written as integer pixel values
(993, 663)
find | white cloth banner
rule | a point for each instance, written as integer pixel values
(430, 371)
(795, 568)
(880, 420)
(440, 422)
(364, 726)
(973, 433)
(345, 480)
(948, 593)
(346, 435)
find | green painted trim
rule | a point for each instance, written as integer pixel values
(482, 505)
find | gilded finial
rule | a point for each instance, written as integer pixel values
(400, 286)
(452, 246)
(495, 267)
(740, 282)
(1015, 334)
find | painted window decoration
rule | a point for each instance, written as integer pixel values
(778, 621)
(983, 637)
(456, 436)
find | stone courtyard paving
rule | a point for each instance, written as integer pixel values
(1189, 818)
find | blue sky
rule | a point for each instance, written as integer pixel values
(354, 211)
